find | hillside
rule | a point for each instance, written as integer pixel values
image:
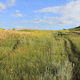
(39, 55)
(75, 29)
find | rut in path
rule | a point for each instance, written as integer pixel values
(14, 47)
(16, 44)
(69, 55)
(73, 47)
(77, 54)
(75, 75)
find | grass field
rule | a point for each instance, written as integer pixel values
(39, 55)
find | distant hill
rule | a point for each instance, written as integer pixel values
(75, 29)
(2, 29)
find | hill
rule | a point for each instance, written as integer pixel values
(39, 55)
(75, 29)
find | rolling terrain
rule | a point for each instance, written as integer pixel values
(40, 54)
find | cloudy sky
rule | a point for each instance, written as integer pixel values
(39, 14)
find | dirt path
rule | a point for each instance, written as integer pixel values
(17, 43)
(75, 74)
(69, 55)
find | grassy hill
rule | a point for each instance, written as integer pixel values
(75, 29)
(39, 55)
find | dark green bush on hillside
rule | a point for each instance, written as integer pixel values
(13, 29)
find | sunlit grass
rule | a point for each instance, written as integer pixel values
(38, 55)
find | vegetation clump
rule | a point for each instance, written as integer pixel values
(13, 29)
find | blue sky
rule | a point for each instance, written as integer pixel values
(39, 14)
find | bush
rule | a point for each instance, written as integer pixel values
(13, 29)
(64, 29)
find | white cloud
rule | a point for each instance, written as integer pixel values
(17, 11)
(70, 13)
(39, 21)
(2, 6)
(17, 15)
(3, 23)
(17, 22)
(52, 21)
(50, 9)
(19, 27)
(20, 22)
(11, 2)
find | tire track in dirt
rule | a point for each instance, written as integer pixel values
(69, 55)
(15, 46)
(73, 47)
(75, 75)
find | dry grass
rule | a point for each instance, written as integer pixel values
(6, 33)
(17, 32)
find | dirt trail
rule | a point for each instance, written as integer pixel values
(15, 46)
(75, 75)
(73, 47)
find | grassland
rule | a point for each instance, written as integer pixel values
(39, 55)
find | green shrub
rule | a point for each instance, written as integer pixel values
(13, 29)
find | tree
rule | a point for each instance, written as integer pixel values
(64, 29)
(13, 29)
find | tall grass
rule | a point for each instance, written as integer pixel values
(38, 56)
